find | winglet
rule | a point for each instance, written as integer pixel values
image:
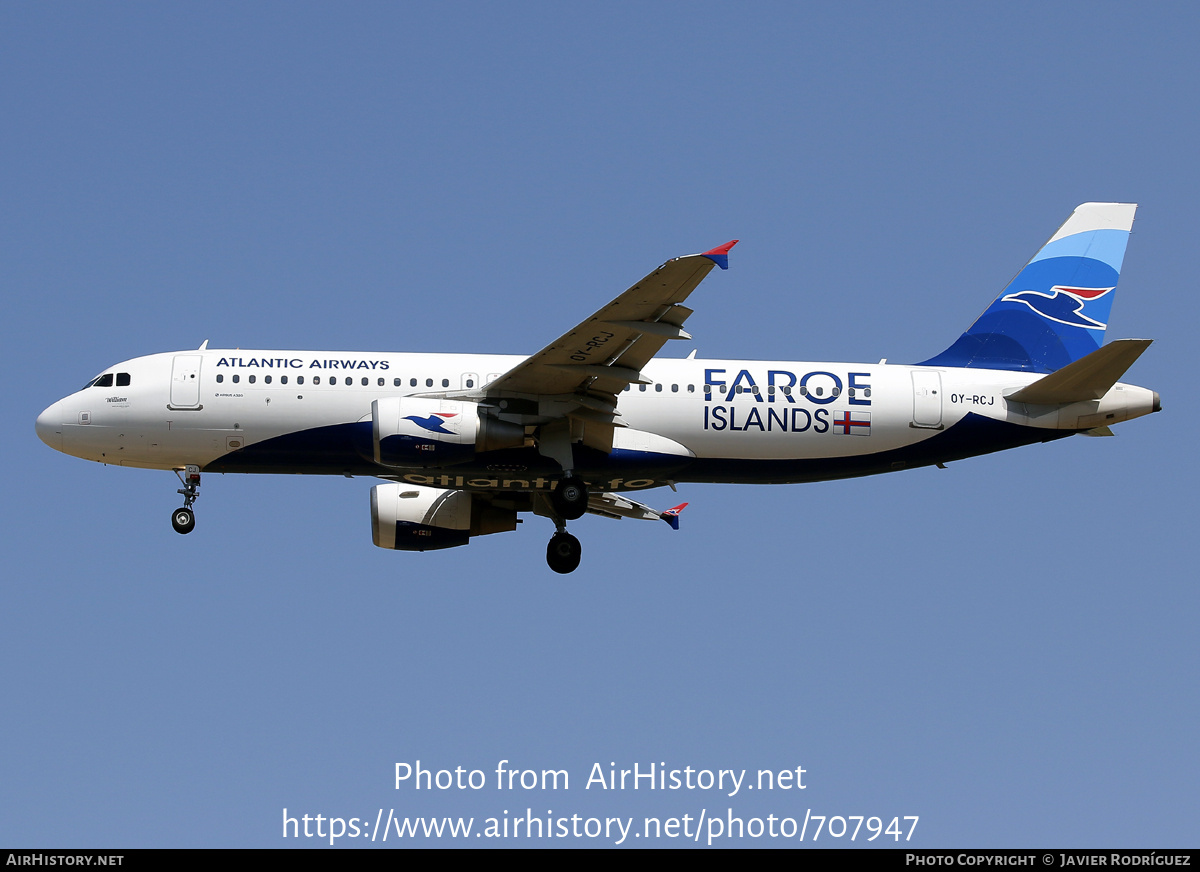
(720, 256)
(671, 516)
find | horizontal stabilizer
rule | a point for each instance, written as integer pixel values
(1088, 378)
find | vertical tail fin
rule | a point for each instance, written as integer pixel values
(1056, 309)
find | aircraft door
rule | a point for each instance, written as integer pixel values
(185, 381)
(927, 399)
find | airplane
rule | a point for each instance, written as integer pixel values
(464, 443)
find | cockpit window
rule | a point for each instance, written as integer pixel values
(104, 381)
(122, 379)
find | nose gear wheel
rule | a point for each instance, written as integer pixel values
(184, 520)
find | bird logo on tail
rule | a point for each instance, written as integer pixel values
(1062, 304)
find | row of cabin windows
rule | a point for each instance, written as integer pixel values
(333, 380)
(107, 381)
(753, 389)
(122, 379)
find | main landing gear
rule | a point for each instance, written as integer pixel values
(563, 552)
(570, 498)
(184, 520)
(569, 501)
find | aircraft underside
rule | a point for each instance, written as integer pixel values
(434, 508)
(345, 449)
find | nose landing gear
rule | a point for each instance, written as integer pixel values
(184, 519)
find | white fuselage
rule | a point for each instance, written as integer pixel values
(714, 420)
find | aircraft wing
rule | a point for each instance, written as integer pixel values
(607, 351)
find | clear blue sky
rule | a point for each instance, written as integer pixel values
(1006, 648)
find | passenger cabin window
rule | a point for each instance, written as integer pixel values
(428, 382)
(412, 382)
(220, 378)
(445, 382)
(266, 379)
(252, 379)
(236, 378)
(395, 382)
(283, 379)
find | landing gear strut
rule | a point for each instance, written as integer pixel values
(568, 501)
(184, 520)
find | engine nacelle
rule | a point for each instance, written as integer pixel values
(420, 432)
(411, 517)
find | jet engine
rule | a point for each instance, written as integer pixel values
(420, 432)
(410, 517)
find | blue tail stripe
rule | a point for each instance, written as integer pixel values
(1106, 246)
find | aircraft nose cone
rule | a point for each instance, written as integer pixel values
(49, 427)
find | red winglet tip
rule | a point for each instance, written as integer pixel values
(721, 249)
